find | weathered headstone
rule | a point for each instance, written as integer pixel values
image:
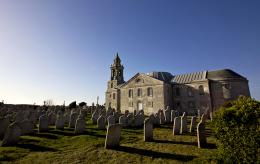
(12, 135)
(111, 120)
(162, 117)
(193, 123)
(201, 134)
(129, 119)
(167, 113)
(157, 119)
(152, 119)
(51, 118)
(173, 115)
(73, 119)
(148, 130)
(66, 118)
(60, 122)
(101, 122)
(43, 124)
(113, 136)
(122, 121)
(95, 116)
(26, 127)
(4, 123)
(176, 125)
(80, 125)
(184, 127)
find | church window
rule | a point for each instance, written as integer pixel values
(190, 92)
(150, 104)
(149, 91)
(114, 96)
(226, 91)
(130, 93)
(178, 92)
(130, 103)
(111, 85)
(201, 90)
(139, 92)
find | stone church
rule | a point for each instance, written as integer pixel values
(205, 91)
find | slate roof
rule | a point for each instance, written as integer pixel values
(189, 77)
(223, 74)
(163, 76)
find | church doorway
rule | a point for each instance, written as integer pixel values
(139, 106)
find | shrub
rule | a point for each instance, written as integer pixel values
(237, 129)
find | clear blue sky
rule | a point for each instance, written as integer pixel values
(62, 49)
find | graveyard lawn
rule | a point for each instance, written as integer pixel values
(57, 146)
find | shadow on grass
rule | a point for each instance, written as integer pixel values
(208, 146)
(175, 142)
(63, 133)
(44, 135)
(33, 147)
(90, 133)
(154, 154)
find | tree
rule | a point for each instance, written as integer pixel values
(237, 129)
(48, 102)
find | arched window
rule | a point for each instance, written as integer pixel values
(149, 91)
(130, 93)
(226, 87)
(190, 92)
(114, 96)
(139, 92)
(201, 90)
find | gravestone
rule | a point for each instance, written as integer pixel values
(162, 117)
(176, 125)
(4, 123)
(122, 121)
(101, 122)
(113, 136)
(95, 116)
(26, 127)
(152, 119)
(126, 112)
(19, 117)
(167, 115)
(129, 119)
(139, 119)
(12, 135)
(43, 124)
(60, 122)
(173, 115)
(73, 119)
(184, 127)
(192, 124)
(66, 118)
(80, 125)
(148, 130)
(201, 134)
(51, 118)
(111, 120)
(157, 119)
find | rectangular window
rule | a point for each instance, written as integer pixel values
(177, 91)
(150, 91)
(139, 92)
(114, 96)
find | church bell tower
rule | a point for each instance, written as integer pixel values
(116, 78)
(117, 71)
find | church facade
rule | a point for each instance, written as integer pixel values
(205, 91)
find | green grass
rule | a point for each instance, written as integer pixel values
(64, 147)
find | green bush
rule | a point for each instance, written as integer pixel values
(236, 126)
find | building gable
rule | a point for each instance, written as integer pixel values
(141, 80)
